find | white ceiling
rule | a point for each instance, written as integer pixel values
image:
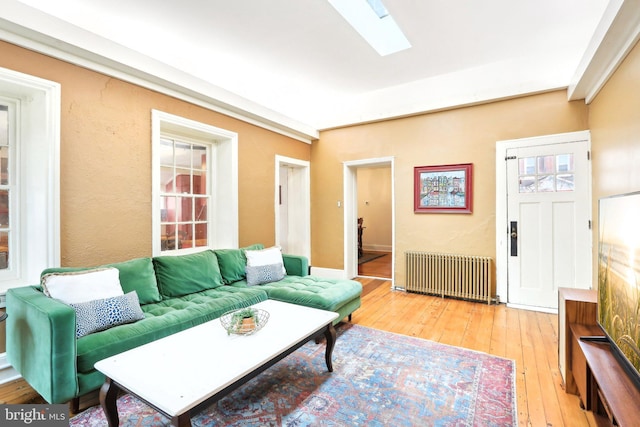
(301, 60)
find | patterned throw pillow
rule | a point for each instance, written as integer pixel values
(258, 275)
(268, 256)
(98, 315)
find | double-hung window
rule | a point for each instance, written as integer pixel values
(7, 183)
(195, 185)
(185, 193)
(29, 178)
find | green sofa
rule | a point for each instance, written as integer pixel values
(175, 293)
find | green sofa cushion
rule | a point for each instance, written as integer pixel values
(138, 275)
(233, 262)
(135, 275)
(163, 319)
(186, 274)
(311, 291)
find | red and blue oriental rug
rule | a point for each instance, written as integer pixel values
(379, 379)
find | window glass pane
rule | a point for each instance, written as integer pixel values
(167, 209)
(4, 125)
(4, 165)
(201, 235)
(166, 179)
(184, 211)
(565, 182)
(546, 165)
(527, 165)
(184, 236)
(183, 155)
(166, 152)
(4, 250)
(183, 181)
(4, 208)
(564, 163)
(199, 183)
(527, 184)
(546, 183)
(201, 209)
(199, 160)
(167, 237)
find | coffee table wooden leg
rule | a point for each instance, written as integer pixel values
(183, 420)
(330, 335)
(108, 396)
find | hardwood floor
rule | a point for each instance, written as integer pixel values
(379, 267)
(528, 337)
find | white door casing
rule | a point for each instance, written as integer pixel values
(350, 207)
(553, 236)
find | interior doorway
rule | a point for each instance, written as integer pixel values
(374, 221)
(351, 210)
(293, 206)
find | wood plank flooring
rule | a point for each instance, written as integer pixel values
(379, 267)
(530, 338)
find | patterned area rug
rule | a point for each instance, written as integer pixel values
(379, 379)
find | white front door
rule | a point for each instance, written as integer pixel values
(548, 220)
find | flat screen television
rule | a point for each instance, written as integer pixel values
(619, 278)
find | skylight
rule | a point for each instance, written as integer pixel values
(374, 23)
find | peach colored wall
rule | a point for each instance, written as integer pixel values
(374, 206)
(614, 120)
(106, 161)
(464, 135)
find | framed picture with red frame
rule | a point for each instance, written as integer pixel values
(443, 189)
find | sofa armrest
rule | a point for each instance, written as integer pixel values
(41, 342)
(296, 265)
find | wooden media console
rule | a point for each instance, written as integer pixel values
(590, 369)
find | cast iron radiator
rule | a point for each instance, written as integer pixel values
(449, 275)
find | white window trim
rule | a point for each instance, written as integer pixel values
(38, 156)
(223, 231)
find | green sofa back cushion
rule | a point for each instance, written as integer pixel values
(135, 275)
(233, 262)
(186, 274)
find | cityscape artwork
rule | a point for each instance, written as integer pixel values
(443, 189)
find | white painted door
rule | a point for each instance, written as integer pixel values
(549, 213)
(293, 206)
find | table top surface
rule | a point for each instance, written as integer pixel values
(178, 372)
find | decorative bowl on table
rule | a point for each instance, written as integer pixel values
(244, 321)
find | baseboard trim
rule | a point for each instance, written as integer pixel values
(7, 373)
(328, 273)
(533, 308)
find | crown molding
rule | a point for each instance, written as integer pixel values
(617, 33)
(34, 30)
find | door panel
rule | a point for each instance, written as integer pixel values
(548, 196)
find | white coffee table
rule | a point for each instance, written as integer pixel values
(187, 371)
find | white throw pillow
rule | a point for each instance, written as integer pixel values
(268, 256)
(82, 286)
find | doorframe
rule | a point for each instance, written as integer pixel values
(502, 250)
(350, 190)
(300, 212)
